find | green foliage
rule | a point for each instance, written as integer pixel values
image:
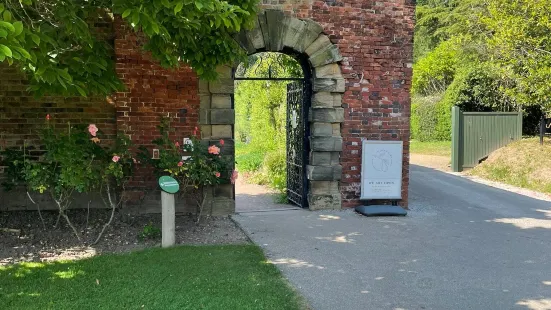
(57, 44)
(521, 48)
(424, 118)
(14, 171)
(490, 55)
(73, 161)
(247, 157)
(274, 168)
(261, 117)
(204, 164)
(149, 232)
(434, 72)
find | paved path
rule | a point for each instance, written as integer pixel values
(256, 198)
(463, 246)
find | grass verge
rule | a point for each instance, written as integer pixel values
(439, 148)
(186, 277)
(524, 163)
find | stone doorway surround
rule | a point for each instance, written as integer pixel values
(276, 32)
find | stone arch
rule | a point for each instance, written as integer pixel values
(276, 32)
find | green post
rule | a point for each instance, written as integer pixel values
(456, 136)
(520, 114)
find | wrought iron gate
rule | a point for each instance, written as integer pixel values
(297, 147)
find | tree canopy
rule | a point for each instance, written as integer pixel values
(507, 41)
(57, 44)
(481, 55)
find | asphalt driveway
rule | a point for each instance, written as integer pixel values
(463, 246)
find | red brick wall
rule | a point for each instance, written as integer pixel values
(22, 115)
(375, 38)
(151, 92)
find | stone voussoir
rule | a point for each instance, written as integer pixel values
(293, 32)
(222, 116)
(321, 43)
(276, 24)
(324, 202)
(326, 144)
(326, 100)
(325, 56)
(311, 32)
(220, 102)
(324, 173)
(324, 158)
(329, 85)
(332, 71)
(324, 187)
(222, 86)
(327, 115)
(321, 129)
(255, 35)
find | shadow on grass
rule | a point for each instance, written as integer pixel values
(191, 277)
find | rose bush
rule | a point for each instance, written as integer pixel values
(195, 165)
(75, 161)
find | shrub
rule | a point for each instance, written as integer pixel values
(274, 168)
(434, 72)
(424, 118)
(74, 160)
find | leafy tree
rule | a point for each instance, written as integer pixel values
(58, 45)
(491, 55)
(521, 48)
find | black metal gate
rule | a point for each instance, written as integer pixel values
(297, 144)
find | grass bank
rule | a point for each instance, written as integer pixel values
(439, 148)
(186, 277)
(524, 163)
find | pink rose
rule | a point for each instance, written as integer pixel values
(234, 176)
(217, 174)
(92, 129)
(180, 164)
(221, 141)
(47, 117)
(177, 144)
(116, 158)
(213, 149)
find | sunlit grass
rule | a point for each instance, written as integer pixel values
(187, 277)
(524, 163)
(439, 148)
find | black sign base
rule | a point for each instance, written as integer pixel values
(381, 210)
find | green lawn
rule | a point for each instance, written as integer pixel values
(185, 277)
(440, 148)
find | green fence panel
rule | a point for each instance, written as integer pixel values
(477, 134)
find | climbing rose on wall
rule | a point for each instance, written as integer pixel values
(213, 149)
(92, 129)
(116, 158)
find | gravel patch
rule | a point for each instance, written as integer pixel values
(23, 238)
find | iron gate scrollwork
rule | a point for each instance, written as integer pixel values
(297, 147)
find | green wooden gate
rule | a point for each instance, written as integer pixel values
(477, 134)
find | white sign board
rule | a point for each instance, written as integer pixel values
(381, 169)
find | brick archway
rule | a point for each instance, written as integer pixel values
(276, 32)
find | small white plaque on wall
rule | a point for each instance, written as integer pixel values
(381, 169)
